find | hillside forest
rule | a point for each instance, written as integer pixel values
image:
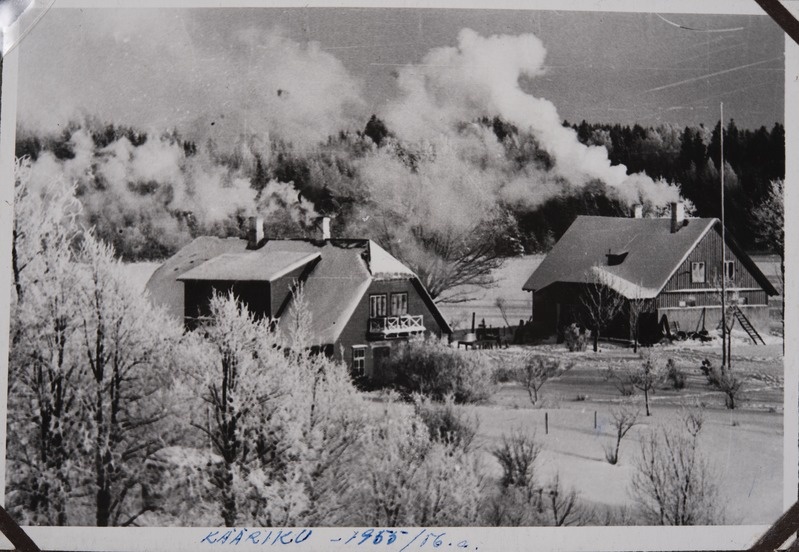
(486, 192)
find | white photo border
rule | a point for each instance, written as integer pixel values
(543, 538)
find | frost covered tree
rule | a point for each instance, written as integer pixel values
(402, 477)
(535, 372)
(624, 419)
(600, 302)
(230, 373)
(674, 484)
(125, 345)
(43, 359)
(87, 371)
(646, 378)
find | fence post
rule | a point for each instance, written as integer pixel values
(546, 423)
(594, 419)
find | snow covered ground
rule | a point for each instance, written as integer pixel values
(744, 446)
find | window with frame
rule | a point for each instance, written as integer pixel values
(698, 272)
(399, 304)
(359, 360)
(377, 306)
(729, 270)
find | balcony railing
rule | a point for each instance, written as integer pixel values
(396, 326)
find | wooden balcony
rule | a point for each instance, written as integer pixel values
(388, 327)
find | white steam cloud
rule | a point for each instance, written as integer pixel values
(483, 76)
(152, 190)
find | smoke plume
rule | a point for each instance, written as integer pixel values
(487, 77)
(152, 198)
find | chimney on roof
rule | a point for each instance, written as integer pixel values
(325, 228)
(677, 216)
(638, 211)
(255, 232)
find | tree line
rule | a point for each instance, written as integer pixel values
(691, 157)
(149, 194)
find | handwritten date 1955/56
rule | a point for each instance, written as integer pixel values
(391, 536)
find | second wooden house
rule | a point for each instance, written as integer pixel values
(672, 267)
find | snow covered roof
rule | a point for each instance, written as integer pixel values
(257, 265)
(385, 267)
(333, 289)
(634, 256)
(644, 252)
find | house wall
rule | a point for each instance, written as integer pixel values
(683, 301)
(690, 319)
(197, 296)
(709, 251)
(356, 330)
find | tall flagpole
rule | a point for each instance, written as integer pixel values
(725, 361)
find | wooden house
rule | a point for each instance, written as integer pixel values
(362, 301)
(670, 267)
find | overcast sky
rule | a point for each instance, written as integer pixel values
(223, 72)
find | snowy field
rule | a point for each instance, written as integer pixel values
(744, 446)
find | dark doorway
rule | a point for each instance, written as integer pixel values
(380, 354)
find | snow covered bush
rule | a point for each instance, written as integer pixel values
(447, 422)
(576, 338)
(404, 478)
(432, 368)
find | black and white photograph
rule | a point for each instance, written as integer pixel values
(389, 268)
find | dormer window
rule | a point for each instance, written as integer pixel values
(616, 258)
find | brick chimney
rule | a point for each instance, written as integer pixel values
(325, 228)
(255, 232)
(677, 216)
(638, 211)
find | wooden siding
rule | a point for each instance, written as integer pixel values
(708, 251)
(697, 318)
(356, 330)
(710, 298)
(559, 303)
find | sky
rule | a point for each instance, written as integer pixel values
(302, 73)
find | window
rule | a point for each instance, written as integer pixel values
(377, 306)
(359, 360)
(399, 304)
(698, 273)
(729, 270)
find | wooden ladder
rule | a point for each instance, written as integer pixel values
(747, 325)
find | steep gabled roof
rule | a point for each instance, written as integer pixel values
(261, 265)
(334, 287)
(646, 251)
(385, 267)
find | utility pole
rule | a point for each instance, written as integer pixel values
(725, 361)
